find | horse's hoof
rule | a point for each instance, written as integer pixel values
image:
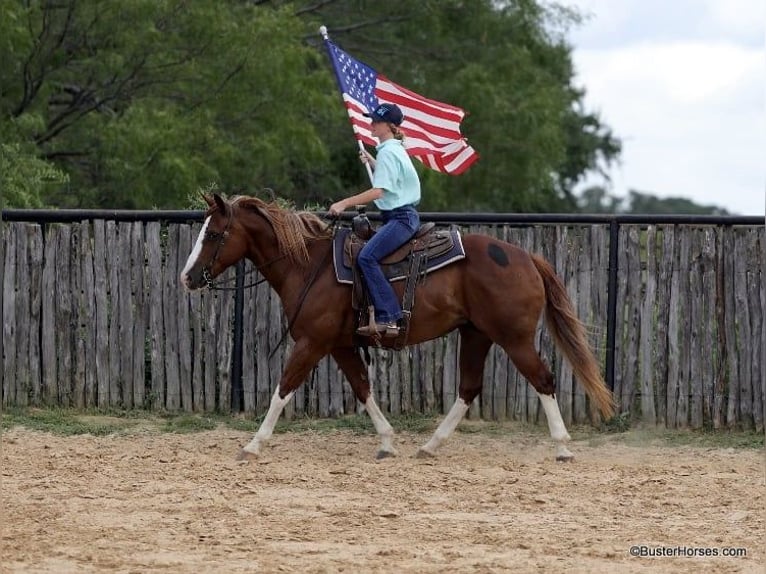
(384, 454)
(424, 454)
(565, 458)
(245, 456)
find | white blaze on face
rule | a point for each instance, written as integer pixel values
(195, 252)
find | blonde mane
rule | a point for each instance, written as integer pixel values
(292, 228)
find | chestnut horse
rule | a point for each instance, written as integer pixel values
(495, 295)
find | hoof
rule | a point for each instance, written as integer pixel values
(424, 454)
(565, 458)
(245, 455)
(384, 454)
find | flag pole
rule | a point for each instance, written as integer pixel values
(326, 38)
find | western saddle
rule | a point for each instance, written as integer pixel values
(409, 262)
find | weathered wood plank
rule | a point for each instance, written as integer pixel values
(212, 318)
(65, 335)
(156, 330)
(709, 324)
(22, 382)
(197, 335)
(125, 312)
(744, 331)
(88, 306)
(224, 337)
(48, 334)
(754, 291)
(647, 342)
(170, 294)
(183, 248)
(35, 246)
(731, 268)
(79, 318)
(263, 372)
(674, 339)
(722, 359)
(661, 350)
(113, 264)
(101, 278)
(138, 288)
(682, 410)
(406, 365)
(694, 390)
(621, 320)
(323, 386)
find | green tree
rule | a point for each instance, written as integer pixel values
(509, 65)
(141, 102)
(647, 203)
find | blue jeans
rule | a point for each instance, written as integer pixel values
(399, 225)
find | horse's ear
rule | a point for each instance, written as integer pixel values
(209, 200)
(223, 207)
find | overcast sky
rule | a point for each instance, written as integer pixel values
(683, 84)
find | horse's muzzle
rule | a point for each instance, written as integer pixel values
(193, 280)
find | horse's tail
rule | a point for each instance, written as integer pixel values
(570, 336)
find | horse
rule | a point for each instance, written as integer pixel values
(495, 295)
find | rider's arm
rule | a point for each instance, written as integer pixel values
(359, 199)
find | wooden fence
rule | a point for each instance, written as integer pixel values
(94, 316)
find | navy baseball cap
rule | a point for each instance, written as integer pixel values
(389, 113)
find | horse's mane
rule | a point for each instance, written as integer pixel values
(292, 228)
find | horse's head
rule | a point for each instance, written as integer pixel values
(221, 244)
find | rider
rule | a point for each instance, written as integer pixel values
(395, 191)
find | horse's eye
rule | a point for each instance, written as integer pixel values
(212, 235)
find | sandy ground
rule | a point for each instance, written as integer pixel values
(319, 502)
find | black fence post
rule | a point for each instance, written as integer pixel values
(237, 391)
(611, 301)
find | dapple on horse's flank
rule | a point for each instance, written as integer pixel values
(495, 295)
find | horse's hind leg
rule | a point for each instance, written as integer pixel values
(302, 359)
(474, 346)
(529, 364)
(356, 372)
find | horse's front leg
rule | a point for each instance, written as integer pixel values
(302, 359)
(356, 372)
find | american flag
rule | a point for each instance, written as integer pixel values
(432, 129)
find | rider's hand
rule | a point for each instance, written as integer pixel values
(366, 157)
(337, 208)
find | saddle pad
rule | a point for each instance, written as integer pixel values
(398, 271)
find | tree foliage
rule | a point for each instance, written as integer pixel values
(596, 199)
(137, 103)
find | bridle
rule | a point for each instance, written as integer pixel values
(206, 270)
(210, 282)
(221, 237)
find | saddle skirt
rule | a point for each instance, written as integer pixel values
(439, 248)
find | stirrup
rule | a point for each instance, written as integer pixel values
(386, 330)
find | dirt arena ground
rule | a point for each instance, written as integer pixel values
(319, 502)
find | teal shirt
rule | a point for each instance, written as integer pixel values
(396, 176)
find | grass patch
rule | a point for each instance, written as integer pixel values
(188, 423)
(64, 422)
(113, 421)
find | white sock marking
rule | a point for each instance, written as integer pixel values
(553, 415)
(447, 426)
(382, 426)
(268, 424)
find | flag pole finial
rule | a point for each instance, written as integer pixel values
(323, 32)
